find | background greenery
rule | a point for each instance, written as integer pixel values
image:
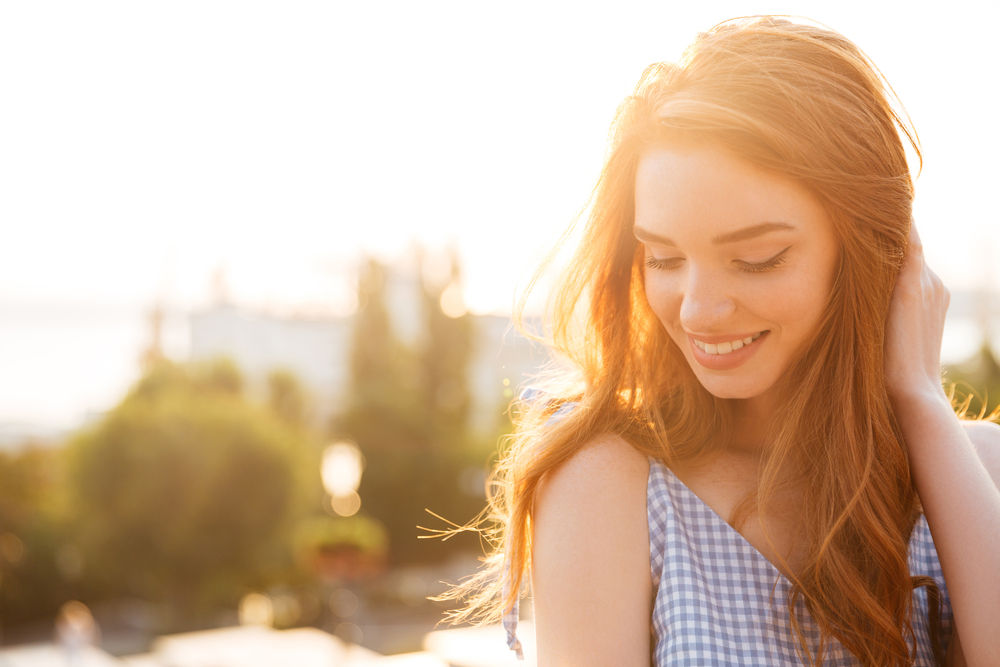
(197, 489)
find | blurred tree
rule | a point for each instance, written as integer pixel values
(383, 403)
(32, 583)
(186, 491)
(454, 488)
(220, 375)
(407, 410)
(444, 359)
(287, 398)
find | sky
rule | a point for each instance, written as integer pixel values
(146, 147)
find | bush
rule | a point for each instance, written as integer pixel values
(185, 493)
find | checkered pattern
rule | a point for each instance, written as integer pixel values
(510, 616)
(719, 601)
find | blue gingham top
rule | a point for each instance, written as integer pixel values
(714, 589)
(719, 601)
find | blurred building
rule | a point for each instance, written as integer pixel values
(503, 362)
(317, 349)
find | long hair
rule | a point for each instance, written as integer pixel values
(807, 104)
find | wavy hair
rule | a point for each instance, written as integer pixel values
(805, 103)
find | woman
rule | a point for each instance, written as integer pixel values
(760, 448)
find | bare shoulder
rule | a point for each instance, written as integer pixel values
(985, 437)
(590, 558)
(605, 460)
(599, 492)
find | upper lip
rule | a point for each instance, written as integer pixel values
(724, 338)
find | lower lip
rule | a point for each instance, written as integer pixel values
(725, 362)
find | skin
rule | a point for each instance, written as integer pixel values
(956, 470)
(590, 522)
(733, 251)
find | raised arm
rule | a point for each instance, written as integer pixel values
(955, 476)
(590, 559)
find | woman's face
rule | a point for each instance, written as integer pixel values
(739, 264)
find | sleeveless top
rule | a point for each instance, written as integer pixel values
(719, 601)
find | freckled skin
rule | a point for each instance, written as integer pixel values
(699, 287)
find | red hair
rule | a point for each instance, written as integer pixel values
(805, 103)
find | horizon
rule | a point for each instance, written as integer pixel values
(151, 149)
(89, 385)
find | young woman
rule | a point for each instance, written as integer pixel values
(758, 464)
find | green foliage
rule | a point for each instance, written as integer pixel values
(977, 380)
(408, 411)
(26, 477)
(444, 358)
(381, 366)
(361, 532)
(32, 583)
(186, 491)
(287, 398)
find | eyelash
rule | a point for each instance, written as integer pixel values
(660, 264)
(767, 265)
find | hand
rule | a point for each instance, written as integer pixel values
(914, 329)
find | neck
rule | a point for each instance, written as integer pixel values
(752, 419)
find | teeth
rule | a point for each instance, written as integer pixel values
(728, 346)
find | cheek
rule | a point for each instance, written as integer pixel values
(661, 297)
(797, 301)
(664, 300)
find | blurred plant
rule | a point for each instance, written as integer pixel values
(341, 548)
(444, 356)
(977, 380)
(35, 570)
(408, 411)
(288, 398)
(185, 493)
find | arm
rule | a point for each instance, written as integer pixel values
(590, 559)
(985, 437)
(961, 499)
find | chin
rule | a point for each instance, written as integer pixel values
(723, 388)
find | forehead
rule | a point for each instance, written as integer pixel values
(707, 190)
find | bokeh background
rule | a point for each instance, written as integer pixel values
(257, 270)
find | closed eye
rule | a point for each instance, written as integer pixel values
(766, 265)
(664, 264)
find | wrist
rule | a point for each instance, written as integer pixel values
(921, 413)
(920, 401)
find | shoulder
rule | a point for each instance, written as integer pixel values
(601, 486)
(590, 558)
(606, 459)
(985, 437)
(604, 482)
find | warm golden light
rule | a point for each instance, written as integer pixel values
(256, 609)
(452, 303)
(346, 505)
(341, 469)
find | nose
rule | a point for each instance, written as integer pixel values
(706, 303)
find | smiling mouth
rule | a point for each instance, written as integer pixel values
(726, 347)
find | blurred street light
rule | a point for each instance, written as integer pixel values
(256, 609)
(341, 473)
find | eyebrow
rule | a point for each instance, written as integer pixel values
(743, 234)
